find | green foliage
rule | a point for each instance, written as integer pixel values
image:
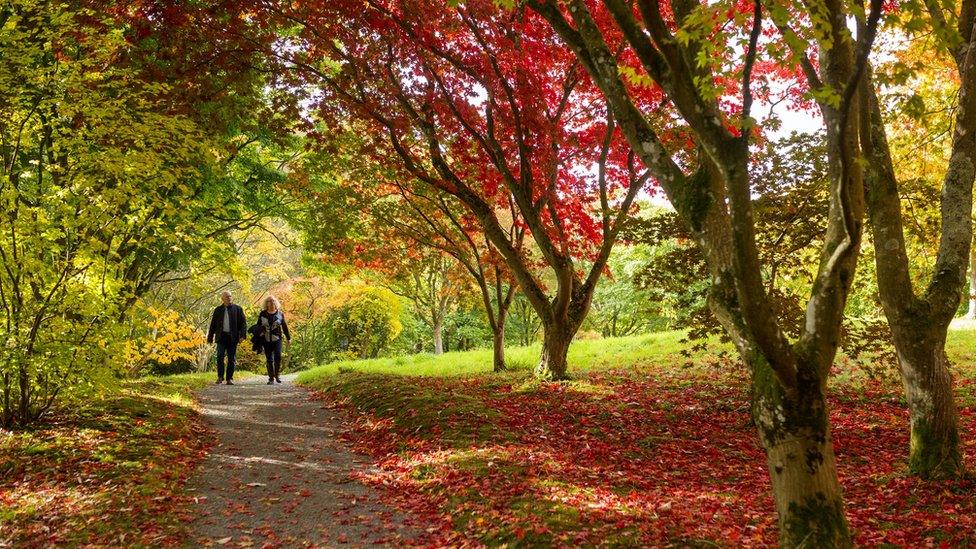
(109, 184)
(310, 344)
(92, 188)
(465, 329)
(523, 326)
(790, 209)
(362, 321)
(620, 306)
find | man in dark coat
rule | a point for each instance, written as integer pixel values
(228, 327)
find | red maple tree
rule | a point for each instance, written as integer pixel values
(487, 106)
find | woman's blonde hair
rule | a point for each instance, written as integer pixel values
(272, 299)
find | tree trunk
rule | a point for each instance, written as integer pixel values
(25, 394)
(498, 349)
(555, 346)
(795, 432)
(919, 325)
(438, 337)
(971, 313)
(934, 447)
(8, 412)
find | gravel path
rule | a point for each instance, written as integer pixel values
(280, 477)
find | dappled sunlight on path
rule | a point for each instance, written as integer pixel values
(278, 475)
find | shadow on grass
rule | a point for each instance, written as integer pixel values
(106, 471)
(617, 458)
(427, 408)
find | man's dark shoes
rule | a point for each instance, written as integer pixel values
(229, 382)
(278, 379)
(219, 381)
(270, 382)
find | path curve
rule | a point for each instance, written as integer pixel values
(279, 476)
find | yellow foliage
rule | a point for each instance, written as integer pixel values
(168, 338)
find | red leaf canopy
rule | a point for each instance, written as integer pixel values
(482, 103)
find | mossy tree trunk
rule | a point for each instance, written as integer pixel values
(555, 349)
(794, 430)
(920, 321)
(934, 448)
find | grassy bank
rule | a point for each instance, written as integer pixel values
(106, 471)
(639, 449)
(660, 350)
(649, 350)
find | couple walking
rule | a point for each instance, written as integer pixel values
(227, 328)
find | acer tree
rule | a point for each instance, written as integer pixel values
(487, 106)
(429, 219)
(686, 49)
(417, 236)
(919, 320)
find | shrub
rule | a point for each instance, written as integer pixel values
(181, 365)
(362, 322)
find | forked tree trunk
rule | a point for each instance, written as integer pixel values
(934, 448)
(795, 432)
(919, 325)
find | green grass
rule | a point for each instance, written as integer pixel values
(414, 405)
(643, 351)
(961, 346)
(650, 351)
(177, 389)
(105, 471)
(400, 389)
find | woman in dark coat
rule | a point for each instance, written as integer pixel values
(273, 330)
